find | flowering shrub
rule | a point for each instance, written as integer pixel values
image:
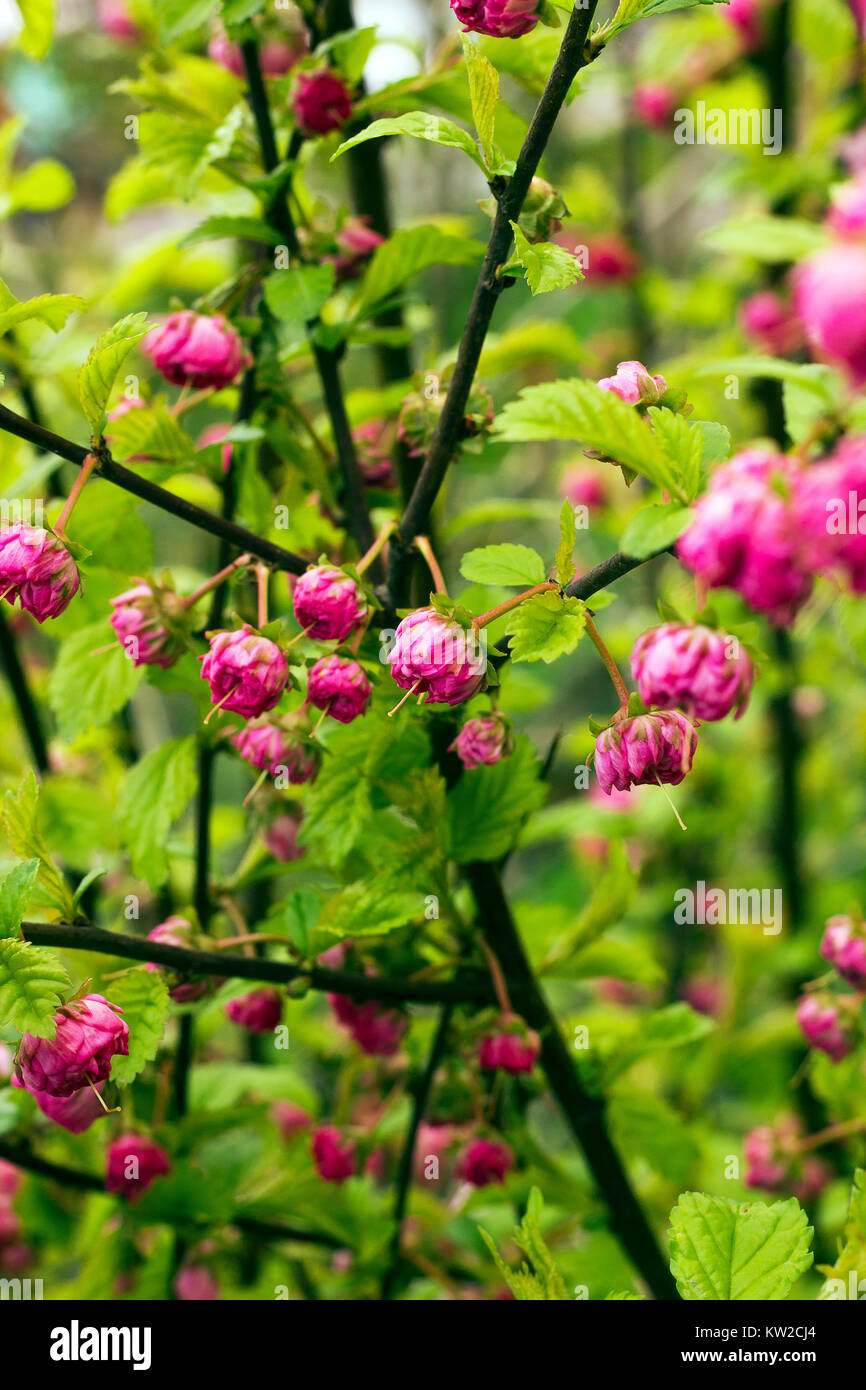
(433, 642)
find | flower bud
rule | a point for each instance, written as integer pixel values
(511, 1052)
(281, 838)
(373, 447)
(421, 411)
(357, 242)
(116, 21)
(844, 946)
(259, 1011)
(247, 673)
(333, 1155)
(500, 19)
(436, 656)
(133, 1162)
(645, 749)
(199, 350)
(482, 741)
(823, 1026)
(830, 298)
(328, 604)
(484, 1161)
(196, 1284)
(654, 103)
(88, 1034)
(770, 324)
(706, 673)
(177, 931)
(275, 747)
(339, 686)
(321, 102)
(634, 385)
(289, 1118)
(150, 625)
(37, 569)
(542, 212)
(377, 1029)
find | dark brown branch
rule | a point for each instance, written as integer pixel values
(23, 696)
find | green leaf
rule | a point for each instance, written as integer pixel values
(545, 627)
(16, 889)
(484, 94)
(630, 11)
(96, 378)
(567, 541)
(362, 909)
(773, 240)
(676, 1025)
(580, 410)
(89, 684)
(852, 1256)
(645, 1127)
(654, 528)
(539, 1280)
(39, 20)
(421, 125)
(683, 446)
(486, 808)
(547, 266)
(409, 251)
(298, 296)
(606, 908)
(221, 227)
(153, 795)
(727, 1251)
(716, 445)
(33, 985)
(143, 997)
(43, 186)
(150, 432)
(51, 309)
(27, 842)
(178, 17)
(503, 564)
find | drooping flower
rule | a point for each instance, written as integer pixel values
(357, 242)
(277, 56)
(500, 19)
(199, 350)
(36, 569)
(705, 673)
(830, 298)
(259, 1011)
(645, 749)
(215, 434)
(484, 1161)
(747, 18)
(847, 215)
(583, 487)
(509, 1051)
(844, 946)
(482, 741)
(116, 21)
(333, 1155)
(321, 102)
(339, 686)
(770, 323)
(88, 1034)
(376, 1028)
(328, 604)
(149, 623)
(266, 744)
(373, 447)
(433, 654)
(775, 1163)
(830, 505)
(610, 259)
(634, 384)
(824, 1027)
(247, 673)
(289, 1118)
(75, 1113)
(133, 1162)
(654, 103)
(177, 931)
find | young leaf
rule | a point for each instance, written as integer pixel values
(143, 997)
(89, 684)
(547, 266)
(97, 376)
(421, 125)
(654, 528)
(26, 841)
(298, 296)
(487, 806)
(567, 540)
(725, 1251)
(409, 251)
(539, 1280)
(150, 432)
(16, 889)
(683, 446)
(33, 984)
(545, 627)
(773, 240)
(484, 93)
(852, 1256)
(503, 564)
(51, 309)
(153, 795)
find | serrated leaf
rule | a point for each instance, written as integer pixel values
(567, 541)
(220, 227)
(773, 240)
(545, 627)
(51, 309)
(150, 432)
(852, 1256)
(16, 889)
(486, 808)
(716, 441)
(654, 528)
(727, 1251)
(33, 985)
(152, 796)
(484, 94)
(298, 296)
(178, 17)
(96, 378)
(683, 446)
(27, 842)
(539, 1280)
(503, 564)
(88, 683)
(408, 252)
(143, 997)
(547, 266)
(421, 125)
(362, 909)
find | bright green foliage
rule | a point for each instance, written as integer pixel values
(721, 1249)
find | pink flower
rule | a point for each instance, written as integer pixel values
(246, 672)
(830, 298)
(281, 838)
(290, 1119)
(654, 104)
(844, 946)
(88, 1034)
(376, 1029)
(75, 1113)
(501, 19)
(328, 604)
(747, 536)
(339, 686)
(634, 385)
(610, 259)
(858, 9)
(704, 993)
(822, 1026)
(10, 1226)
(196, 1284)
(133, 1162)
(321, 102)
(434, 654)
(847, 215)
(831, 505)
(770, 324)
(374, 458)
(116, 21)
(482, 741)
(645, 749)
(200, 350)
(775, 1163)
(276, 56)
(432, 1141)
(766, 1167)
(333, 1156)
(270, 746)
(484, 1161)
(745, 16)
(177, 931)
(215, 434)
(357, 242)
(10, 1176)
(149, 625)
(259, 1011)
(38, 570)
(705, 673)
(583, 487)
(514, 1053)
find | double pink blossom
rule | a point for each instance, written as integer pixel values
(844, 946)
(482, 741)
(328, 604)
(824, 1026)
(501, 19)
(377, 1029)
(37, 569)
(333, 1154)
(484, 1161)
(339, 686)
(433, 654)
(200, 350)
(177, 931)
(321, 101)
(830, 298)
(247, 673)
(645, 749)
(149, 624)
(89, 1032)
(267, 745)
(259, 1011)
(75, 1113)
(705, 673)
(134, 1161)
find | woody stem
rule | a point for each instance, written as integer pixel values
(215, 580)
(484, 618)
(610, 665)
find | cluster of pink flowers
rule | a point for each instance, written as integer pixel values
(645, 749)
(830, 1021)
(377, 1029)
(278, 53)
(133, 1162)
(705, 673)
(776, 1163)
(199, 350)
(827, 1024)
(36, 569)
(434, 655)
(88, 1033)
